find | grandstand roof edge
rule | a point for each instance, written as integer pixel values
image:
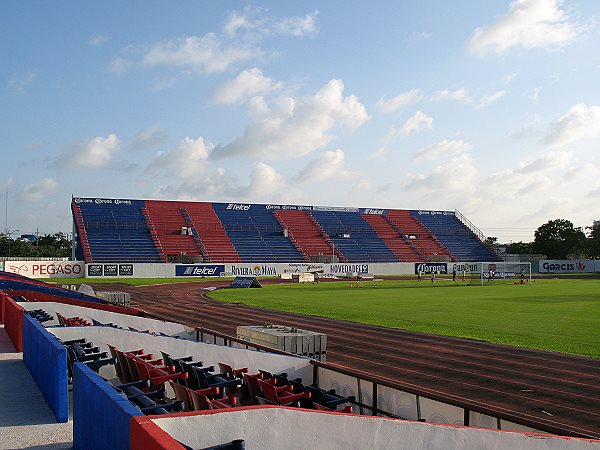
(273, 206)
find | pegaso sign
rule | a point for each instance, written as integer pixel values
(46, 269)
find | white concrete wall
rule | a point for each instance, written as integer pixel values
(124, 320)
(142, 270)
(207, 353)
(280, 428)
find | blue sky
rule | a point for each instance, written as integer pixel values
(491, 108)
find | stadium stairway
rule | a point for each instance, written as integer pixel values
(423, 239)
(83, 240)
(168, 220)
(211, 232)
(395, 241)
(305, 234)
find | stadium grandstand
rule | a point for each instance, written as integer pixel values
(151, 231)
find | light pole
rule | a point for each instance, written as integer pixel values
(9, 238)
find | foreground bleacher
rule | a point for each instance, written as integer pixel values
(143, 383)
(113, 230)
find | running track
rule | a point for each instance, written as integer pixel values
(555, 389)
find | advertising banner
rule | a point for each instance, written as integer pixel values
(200, 270)
(567, 266)
(108, 201)
(429, 267)
(94, 270)
(372, 211)
(46, 269)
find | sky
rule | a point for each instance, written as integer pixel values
(491, 108)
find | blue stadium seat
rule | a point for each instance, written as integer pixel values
(354, 237)
(118, 233)
(455, 235)
(256, 234)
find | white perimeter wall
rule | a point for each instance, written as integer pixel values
(123, 320)
(209, 354)
(165, 270)
(280, 428)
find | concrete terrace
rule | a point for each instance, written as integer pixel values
(25, 418)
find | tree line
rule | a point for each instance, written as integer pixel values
(56, 245)
(558, 239)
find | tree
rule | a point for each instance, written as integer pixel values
(594, 241)
(557, 239)
(491, 243)
(519, 248)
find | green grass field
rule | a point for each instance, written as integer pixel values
(561, 315)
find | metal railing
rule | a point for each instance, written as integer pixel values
(378, 385)
(460, 216)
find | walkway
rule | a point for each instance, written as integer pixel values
(25, 418)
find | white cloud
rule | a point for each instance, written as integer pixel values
(458, 95)
(581, 172)
(18, 83)
(390, 135)
(120, 65)
(386, 106)
(238, 41)
(462, 96)
(422, 35)
(256, 22)
(456, 176)
(95, 153)
(97, 39)
(442, 149)
(594, 192)
(148, 137)
(547, 161)
(37, 191)
(297, 26)
(294, 127)
(418, 122)
(535, 94)
(580, 122)
(528, 23)
(528, 178)
(202, 54)
(188, 160)
(329, 165)
(4, 185)
(248, 83)
(487, 100)
(237, 21)
(264, 181)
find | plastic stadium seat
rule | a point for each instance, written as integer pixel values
(281, 394)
